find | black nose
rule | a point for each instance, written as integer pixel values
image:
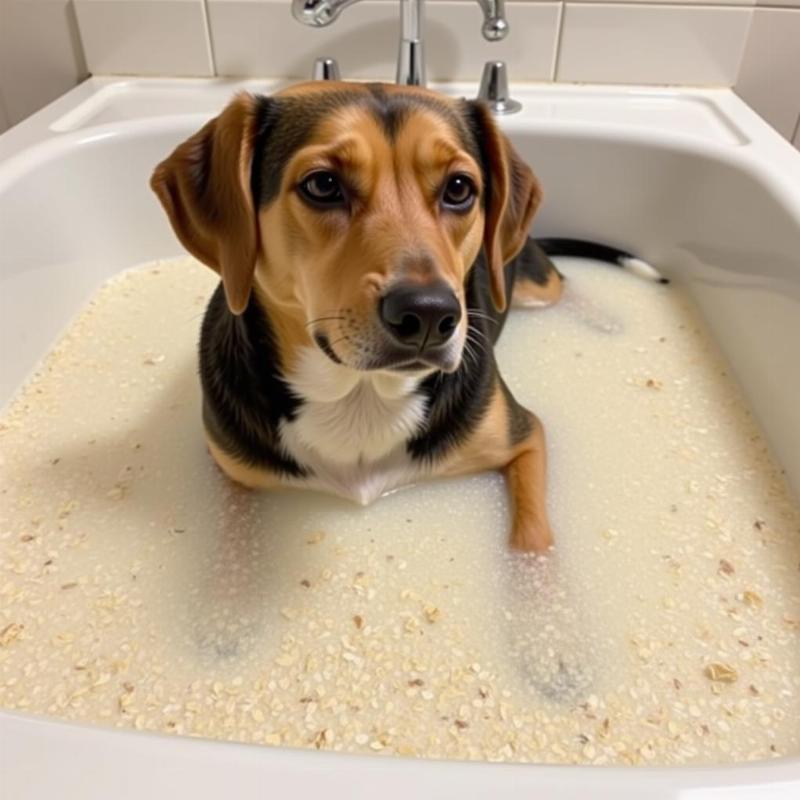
(421, 316)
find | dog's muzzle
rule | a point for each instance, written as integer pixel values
(420, 318)
(419, 331)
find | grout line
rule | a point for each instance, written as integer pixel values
(5, 114)
(744, 50)
(559, 36)
(795, 140)
(74, 33)
(209, 39)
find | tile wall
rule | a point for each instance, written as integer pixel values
(40, 55)
(740, 43)
(769, 79)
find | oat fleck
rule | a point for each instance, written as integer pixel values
(721, 673)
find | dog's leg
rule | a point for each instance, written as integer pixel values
(511, 439)
(537, 282)
(530, 294)
(526, 479)
(241, 473)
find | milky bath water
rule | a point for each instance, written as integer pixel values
(140, 589)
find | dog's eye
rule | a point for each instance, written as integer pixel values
(322, 188)
(459, 193)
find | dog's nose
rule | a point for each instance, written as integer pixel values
(420, 316)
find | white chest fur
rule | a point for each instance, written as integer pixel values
(352, 427)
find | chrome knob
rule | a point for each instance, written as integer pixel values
(494, 89)
(495, 29)
(495, 24)
(326, 69)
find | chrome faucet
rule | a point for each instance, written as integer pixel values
(410, 59)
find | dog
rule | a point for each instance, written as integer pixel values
(369, 239)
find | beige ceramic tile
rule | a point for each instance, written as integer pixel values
(779, 3)
(252, 37)
(683, 2)
(40, 54)
(652, 44)
(145, 37)
(769, 79)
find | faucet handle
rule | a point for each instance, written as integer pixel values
(494, 89)
(326, 69)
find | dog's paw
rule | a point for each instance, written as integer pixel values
(545, 631)
(225, 642)
(533, 535)
(559, 678)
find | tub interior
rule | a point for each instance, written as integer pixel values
(711, 222)
(147, 592)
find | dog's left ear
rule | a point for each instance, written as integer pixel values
(513, 194)
(204, 187)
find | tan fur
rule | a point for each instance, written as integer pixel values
(243, 474)
(526, 478)
(529, 294)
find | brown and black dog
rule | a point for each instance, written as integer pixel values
(367, 238)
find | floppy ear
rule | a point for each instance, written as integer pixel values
(204, 187)
(513, 194)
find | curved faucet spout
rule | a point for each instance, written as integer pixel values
(319, 13)
(495, 24)
(411, 61)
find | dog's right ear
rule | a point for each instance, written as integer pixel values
(204, 187)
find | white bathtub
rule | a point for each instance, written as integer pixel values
(691, 180)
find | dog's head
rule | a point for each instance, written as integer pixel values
(358, 210)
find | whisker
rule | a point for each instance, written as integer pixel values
(470, 354)
(322, 319)
(465, 355)
(474, 312)
(476, 356)
(477, 332)
(477, 342)
(479, 350)
(336, 341)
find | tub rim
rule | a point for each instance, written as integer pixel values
(42, 756)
